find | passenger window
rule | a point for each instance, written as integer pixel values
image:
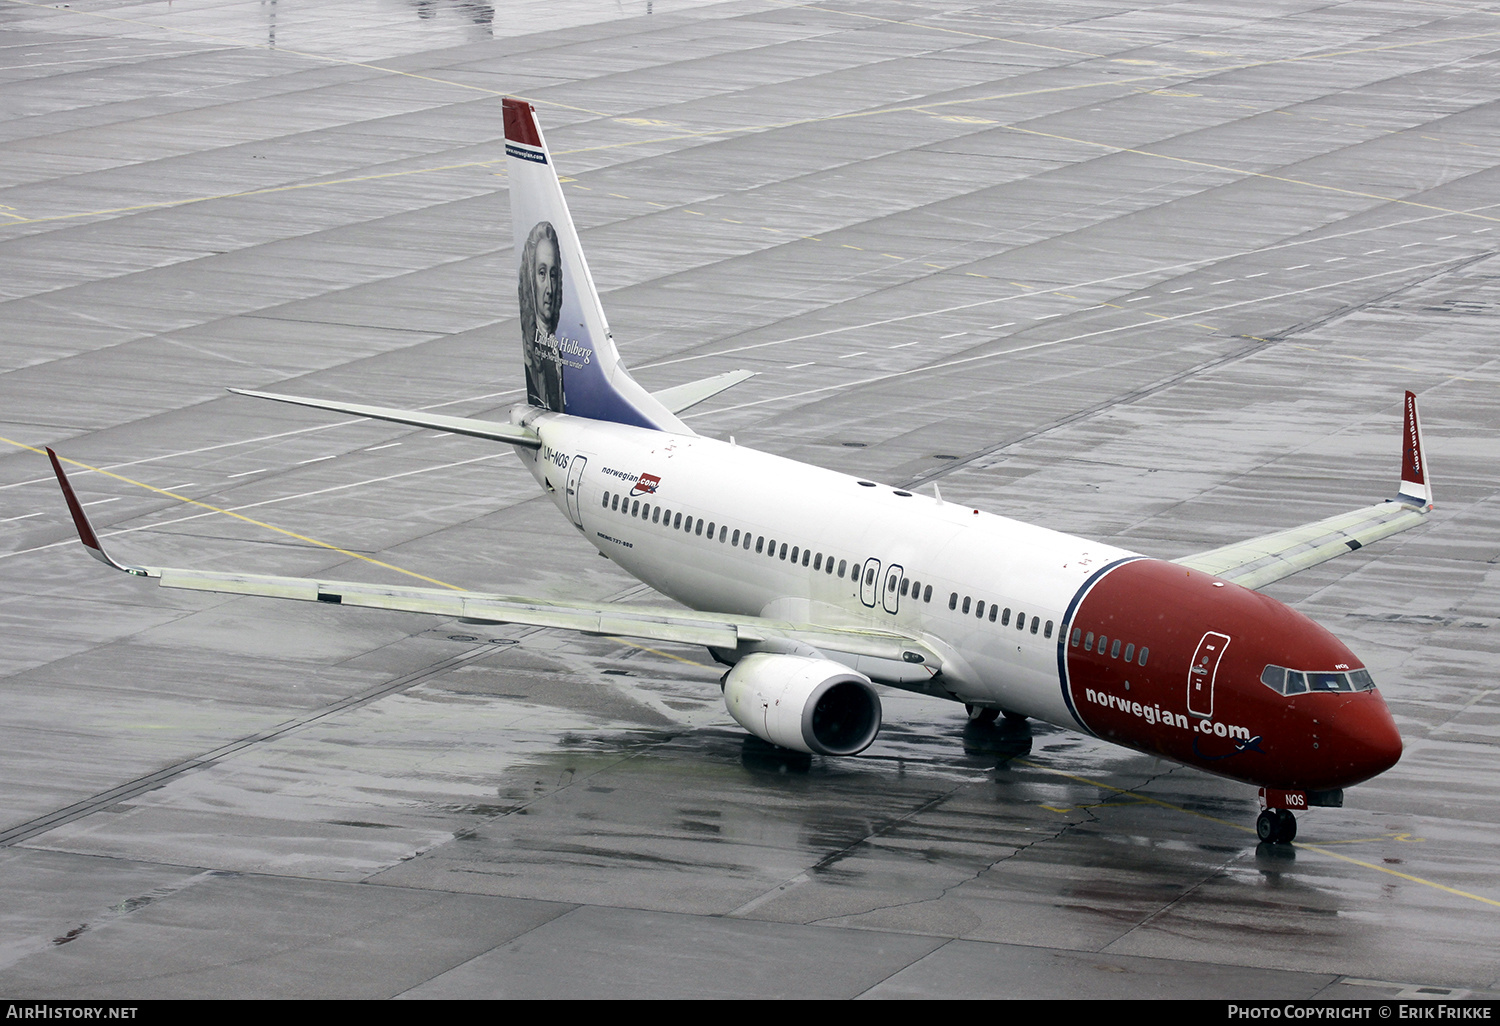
(656, 515)
(759, 542)
(1088, 642)
(615, 505)
(699, 529)
(771, 548)
(606, 500)
(818, 561)
(905, 586)
(1077, 633)
(1036, 621)
(806, 554)
(723, 535)
(979, 610)
(966, 604)
(735, 540)
(1005, 617)
(1129, 653)
(1047, 631)
(710, 529)
(783, 550)
(953, 601)
(1142, 660)
(747, 541)
(890, 585)
(677, 522)
(635, 509)
(994, 611)
(1020, 621)
(841, 568)
(1114, 650)
(870, 575)
(828, 567)
(795, 550)
(927, 594)
(1103, 644)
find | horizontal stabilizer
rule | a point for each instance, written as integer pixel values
(514, 434)
(682, 397)
(1261, 561)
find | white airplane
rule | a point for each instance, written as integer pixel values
(816, 589)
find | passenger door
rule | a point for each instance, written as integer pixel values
(1203, 671)
(869, 583)
(892, 590)
(575, 482)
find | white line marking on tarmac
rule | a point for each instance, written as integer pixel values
(944, 365)
(264, 502)
(1161, 270)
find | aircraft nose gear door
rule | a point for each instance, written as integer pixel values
(1201, 674)
(892, 590)
(869, 585)
(575, 482)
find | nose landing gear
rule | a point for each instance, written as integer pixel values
(1276, 823)
(1276, 826)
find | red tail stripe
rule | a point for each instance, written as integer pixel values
(520, 126)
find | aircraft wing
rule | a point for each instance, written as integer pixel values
(1261, 561)
(685, 626)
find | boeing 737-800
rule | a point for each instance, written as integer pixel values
(816, 590)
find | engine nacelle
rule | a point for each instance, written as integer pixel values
(803, 703)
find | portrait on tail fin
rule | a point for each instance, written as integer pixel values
(541, 295)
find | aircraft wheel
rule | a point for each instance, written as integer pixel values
(1276, 826)
(982, 714)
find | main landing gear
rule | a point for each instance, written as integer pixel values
(988, 714)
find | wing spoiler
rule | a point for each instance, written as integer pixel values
(1261, 561)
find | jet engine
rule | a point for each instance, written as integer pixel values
(807, 704)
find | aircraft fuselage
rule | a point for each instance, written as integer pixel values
(1085, 635)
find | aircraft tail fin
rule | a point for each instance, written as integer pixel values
(572, 365)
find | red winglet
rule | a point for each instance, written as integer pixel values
(81, 521)
(1414, 483)
(520, 122)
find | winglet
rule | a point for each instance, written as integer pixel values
(81, 522)
(1414, 486)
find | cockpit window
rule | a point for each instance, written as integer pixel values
(1297, 682)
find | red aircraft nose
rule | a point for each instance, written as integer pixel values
(1365, 741)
